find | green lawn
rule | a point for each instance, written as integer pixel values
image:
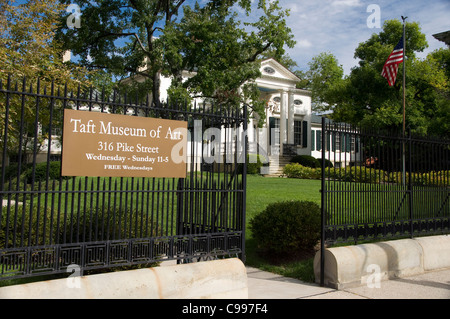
(262, 191)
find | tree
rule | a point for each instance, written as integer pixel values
(27, 44)
(157, 39)
(364, 97)
(29, 51)
(323, 79)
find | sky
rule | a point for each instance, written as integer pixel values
(338, 26)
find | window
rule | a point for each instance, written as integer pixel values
(336, 142)
(344, 142)
(318, 140)
(301, 133)
(269, 70)
(298, 132)
(274, 123)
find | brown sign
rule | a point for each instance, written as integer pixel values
(100, 144)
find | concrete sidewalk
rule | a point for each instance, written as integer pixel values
(431, 285)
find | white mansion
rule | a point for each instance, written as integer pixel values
(289, 116)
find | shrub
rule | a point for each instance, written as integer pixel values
(41, 171)
(23, 193)
(255, 162)
(12, 168)
(328, 163)
(287, 227)
(433, 178)
(16, 228)
(103, 224)
(306, 160)
(295, 170)
(358, 174)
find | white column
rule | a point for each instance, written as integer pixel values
(250, 131)
(290, 127)
(283, 103)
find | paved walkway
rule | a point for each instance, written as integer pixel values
(431, 285)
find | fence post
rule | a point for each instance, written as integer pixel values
(5, 139)
(322, 190)
(410, 192)
(244, 180)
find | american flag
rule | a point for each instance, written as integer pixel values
(390, 68)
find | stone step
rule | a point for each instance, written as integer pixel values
(276, 165)
(280, 159)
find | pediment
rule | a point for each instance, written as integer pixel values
(271, 68)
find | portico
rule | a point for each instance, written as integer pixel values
(288, 109)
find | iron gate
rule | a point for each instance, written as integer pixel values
(49, 222)
(381, 184)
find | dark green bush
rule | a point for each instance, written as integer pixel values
(41, 172)
(12, 168)
(287, 227)
(103, 224)
(16, 229)
(22, 194)
(306, 160)
(328, 163)
(255, 162)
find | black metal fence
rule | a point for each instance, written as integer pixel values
(378, 185)
(49, 222)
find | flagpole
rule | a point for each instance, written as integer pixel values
(404, 100)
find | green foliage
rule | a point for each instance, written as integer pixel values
(23, 228)
(29, 51)
(296, 170)
(16, 228)
(28, 47)
(361, 174)
(433, 178)
(364, 98)
(328, 163)
(12, 169)
(287, 227)
(323, 79)
(105, 224)
(54, 172)
(369, 51)
(255, 162)
(306, 160)
(178, 94)
(171, 37)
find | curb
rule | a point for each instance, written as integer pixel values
(353, 266)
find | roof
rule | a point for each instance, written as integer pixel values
(284, 70)
(318, 119)
(443, 36)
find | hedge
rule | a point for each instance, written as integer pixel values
(362, 174)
